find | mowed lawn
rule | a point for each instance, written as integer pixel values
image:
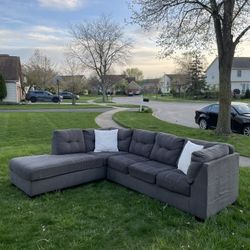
(100, 215)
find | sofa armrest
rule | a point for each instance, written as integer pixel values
(216, 186)
(203, 156)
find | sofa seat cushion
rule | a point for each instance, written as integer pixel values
(121, 162)
(45, 166)
(105, 155)
(175, 181)
(147, 171)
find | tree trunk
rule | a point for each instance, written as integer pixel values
(224, 118)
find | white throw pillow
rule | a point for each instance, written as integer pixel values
(106, 140)
(186, 154)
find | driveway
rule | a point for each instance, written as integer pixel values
(174, 112)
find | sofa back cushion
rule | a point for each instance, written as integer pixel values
(142, 142)
(167, 148)
(89, 139)
(68, 141)
(124, 139)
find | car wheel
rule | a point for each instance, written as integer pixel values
(246, 130)
(55, 99)
(33, 99)
(203, 124)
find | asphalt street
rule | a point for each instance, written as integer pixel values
(174, 112)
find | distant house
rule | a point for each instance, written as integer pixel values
(240, 74)
(172, 81)
(133, 88)
(151, 86)
(10, 68)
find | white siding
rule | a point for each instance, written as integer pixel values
(237, 82)
(11, 92)
(165, 83)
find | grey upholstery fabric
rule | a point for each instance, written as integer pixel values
(68, 141)
(44, 166)
(148, 170)
(124, 138)
(207, 144)
(215, 187)
(121, 162)
(211, 153)
(205, 155)
(167, 148)
(105, 155)
(175, 181)
(37, 187)
(142, 142)
(89, 139)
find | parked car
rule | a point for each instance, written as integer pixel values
(240, 117)
(68, 95)
(42, 96)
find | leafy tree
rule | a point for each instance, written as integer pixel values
(3, 89)
(189, 24)
(99, 45)
(39, 71)
(133, 72)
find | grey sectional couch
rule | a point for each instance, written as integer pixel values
(146, 162)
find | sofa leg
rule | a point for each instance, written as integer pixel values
(199, 219)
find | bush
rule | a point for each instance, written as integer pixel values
(3, 89)
(247, 94)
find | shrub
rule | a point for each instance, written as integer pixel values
(247, 94)
(3, 89)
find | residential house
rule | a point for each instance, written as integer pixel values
(150, 86)
(133, 88)
(240, 74)
(10, 68)
(170, 82)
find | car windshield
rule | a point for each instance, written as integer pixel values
(243, 108)
(48, 93)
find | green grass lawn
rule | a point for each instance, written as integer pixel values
(33, 106)
(100, 215)
(149, 122)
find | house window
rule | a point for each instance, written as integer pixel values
(239, 73)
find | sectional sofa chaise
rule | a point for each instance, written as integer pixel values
(146, 162)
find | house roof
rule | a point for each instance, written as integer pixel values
(174, 76)
(10, 67)
(134, 85)
(241, 63)
(238, 63)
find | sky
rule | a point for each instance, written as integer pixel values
(26, 25)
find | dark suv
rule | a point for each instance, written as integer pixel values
(240, 117)
(42, 96)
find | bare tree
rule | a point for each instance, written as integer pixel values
(99, 45)
(72, 69)
(39, 70)
(196, 23)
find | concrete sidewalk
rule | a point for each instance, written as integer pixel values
(105, 120)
